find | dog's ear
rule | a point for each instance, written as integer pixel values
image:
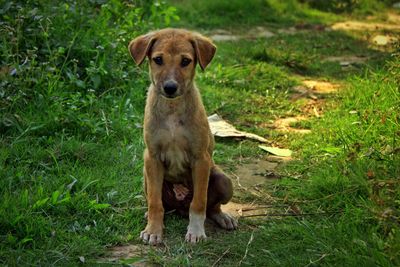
(140, 47)
(205, 50)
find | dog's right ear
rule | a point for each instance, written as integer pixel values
(205, 50)
(140, 47)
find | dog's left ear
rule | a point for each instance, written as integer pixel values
(140, 47)
(205, 50)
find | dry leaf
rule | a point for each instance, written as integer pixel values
(282, 152)
(221, 128)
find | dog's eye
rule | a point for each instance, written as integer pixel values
(185, 62)
(158, 60)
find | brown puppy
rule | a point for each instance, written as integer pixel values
(178, 165)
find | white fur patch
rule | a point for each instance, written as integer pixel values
(196, 227)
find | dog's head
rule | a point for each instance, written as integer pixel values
(173, 55)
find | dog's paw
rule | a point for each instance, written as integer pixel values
(151, 236)
(195, 231)
(180, 191)
(195, 235)
(224, 220)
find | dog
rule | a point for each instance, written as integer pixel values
(179, 172)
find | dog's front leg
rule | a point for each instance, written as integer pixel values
(154, 176)
(198, 206)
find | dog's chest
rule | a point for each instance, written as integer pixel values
(174, 147)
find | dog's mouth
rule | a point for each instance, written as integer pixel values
(176, 94)
(170, 96)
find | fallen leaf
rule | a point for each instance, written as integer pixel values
(282, 152)
(221, 128)
(370, 174)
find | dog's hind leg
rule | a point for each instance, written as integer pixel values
(220, 191)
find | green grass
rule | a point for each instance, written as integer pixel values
(71, 109)
(236, 13)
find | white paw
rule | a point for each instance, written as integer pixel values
(224, 220)
(195, 235)
(195, 231)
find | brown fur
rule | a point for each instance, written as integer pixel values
(179, 143)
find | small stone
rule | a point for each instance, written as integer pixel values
(396, 5)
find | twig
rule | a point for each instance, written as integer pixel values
(170, 211)
(247, 248)
(291, 215)
(223, 254)
(263, 207)
(312, 262)
(238, 181)
(317, 199)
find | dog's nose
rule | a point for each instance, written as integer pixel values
(170, 87)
